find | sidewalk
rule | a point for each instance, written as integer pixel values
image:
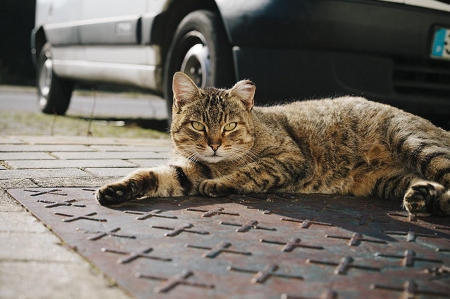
(34, 263)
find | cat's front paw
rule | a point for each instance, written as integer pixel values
(113, 193)
(214, 188)
(423, 197)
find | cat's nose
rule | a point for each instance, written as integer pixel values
(214, 147)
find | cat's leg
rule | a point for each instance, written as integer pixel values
(282, 173)
(417, 194)
(425, 150)
(162, 181)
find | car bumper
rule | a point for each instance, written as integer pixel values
(284, 75)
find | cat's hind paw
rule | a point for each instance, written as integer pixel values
(113, 194)
(423, 197)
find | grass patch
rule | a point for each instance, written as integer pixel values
(38, 124)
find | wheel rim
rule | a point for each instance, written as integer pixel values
(196, 61)
(45, 81)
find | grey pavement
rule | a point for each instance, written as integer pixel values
(34, 263)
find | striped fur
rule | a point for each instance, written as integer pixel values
(223, 144)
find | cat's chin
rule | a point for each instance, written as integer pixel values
(212, 159)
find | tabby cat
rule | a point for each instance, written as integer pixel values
(348, 145)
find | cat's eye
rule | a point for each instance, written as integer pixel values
(230, 126)
(198, 126)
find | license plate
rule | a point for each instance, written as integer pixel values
(441, 44)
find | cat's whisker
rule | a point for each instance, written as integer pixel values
(189, 153)
(243, 156)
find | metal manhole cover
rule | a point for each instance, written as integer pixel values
(259, 246)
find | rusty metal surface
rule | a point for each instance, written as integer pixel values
(260, 246)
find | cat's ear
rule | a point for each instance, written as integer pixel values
(184, 90)
(245, 90)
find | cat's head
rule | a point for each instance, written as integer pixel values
(212, 124)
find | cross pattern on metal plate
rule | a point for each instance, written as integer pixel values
(99, 234)
(51, 192)
(287, 246)
(410, 289)
(178, 279)
(356, 239)
(408, 258)
(243, 228)
(262, 275)
(80, 217)
(345, 264)
(135, 255)
(210, 213)
(67, 203)
(411, 236)
(407, 216)
(327, 294)
(291, 244)
(146, 215)
(218, 249)
(175, 231)
(307, 223)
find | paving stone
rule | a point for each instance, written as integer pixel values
(110, 172)
(44, 148)
(148, 162)
(81, 140)
(126, 148)
(34, 247)
(16, 183)
(11, 140)
(144, 141)
(20, 222)
(41, 173)
(110, 155)
(2, 167)
(8, 204)
(82, 182)
(26, 156)
(38, 164)
(10, 207)
(43, 280)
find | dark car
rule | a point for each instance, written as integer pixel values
(396, 52)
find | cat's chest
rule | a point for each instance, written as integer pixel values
(220, 169)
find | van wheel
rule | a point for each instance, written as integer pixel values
(201, 50)
(54, 93)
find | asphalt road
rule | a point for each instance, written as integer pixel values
(149, 110)
(83, 103)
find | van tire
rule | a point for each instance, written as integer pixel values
(200, 48)
(54, 93)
